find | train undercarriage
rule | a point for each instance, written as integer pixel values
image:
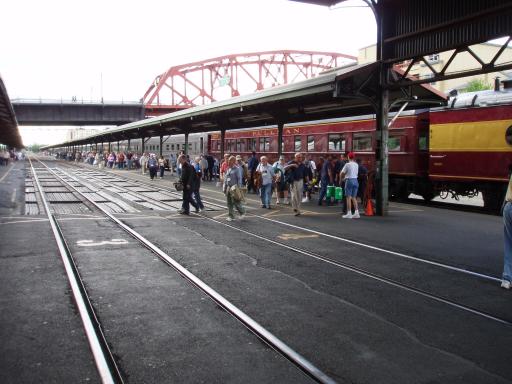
(492, 193)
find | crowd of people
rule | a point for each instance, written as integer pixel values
(7, 155)
(145, 162)
(294, 182)
(291, 182)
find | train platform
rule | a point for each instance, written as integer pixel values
(413, 297)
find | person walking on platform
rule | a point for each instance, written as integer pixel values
(101, 159)
(297, 177)
(232, 178)
(188, 176)
(252, 164)
(362, 179)
(224, 167)
(244, 171)
(143, 161)
(349, 174)
(120, 160)
(281, 184)
(506, 280)
(197, 185)
(161, 166)
(204, 167)
(152, 165)
(111, 160)
(210, 161)
(326, 179)
(267, 179)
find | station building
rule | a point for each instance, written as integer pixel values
(463, 62)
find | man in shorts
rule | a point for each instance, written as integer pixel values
(349, 174)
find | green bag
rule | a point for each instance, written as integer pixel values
(338, 193)
(330, 191)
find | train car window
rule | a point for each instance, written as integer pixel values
(362, 142)
(394, 144)
(243, 143)
(251, 144)
(239, 146)
(311, 143)
(423, 141)
(167, 147)
(262, 144)
(267, 144)
(298, 143)
(336, 143)
(158, 147)
(189, 145)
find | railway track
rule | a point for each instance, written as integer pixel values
(105, 361)
(332, 259)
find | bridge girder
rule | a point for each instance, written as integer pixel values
(201, 82)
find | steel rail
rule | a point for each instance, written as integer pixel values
(374, 275)
(275, 343)
(353, 242)
(107, 368)
(369, 274)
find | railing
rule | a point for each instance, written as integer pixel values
(73, 101)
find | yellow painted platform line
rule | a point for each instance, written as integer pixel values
(296, 236)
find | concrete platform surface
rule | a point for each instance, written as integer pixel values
(409, 298)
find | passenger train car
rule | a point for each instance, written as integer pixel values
(462, 149)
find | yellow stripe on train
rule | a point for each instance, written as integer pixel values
(472, 136)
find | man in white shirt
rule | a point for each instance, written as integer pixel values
(349, 174)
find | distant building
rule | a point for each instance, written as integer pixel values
(463, 61)
(79, 133)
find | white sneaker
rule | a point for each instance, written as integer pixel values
(242, 216)
(305, 200)
(202, 210)
(506, 284)
(230, 219)
(277, 201)
(286, 201)
(356, 215)
(347, 216)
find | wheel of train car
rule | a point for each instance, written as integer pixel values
(428, 196)
(493, 199)
(398, 190)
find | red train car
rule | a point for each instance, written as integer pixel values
(459, 150)
(469, 149)
(408, 149)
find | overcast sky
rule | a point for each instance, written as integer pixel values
(59, 49)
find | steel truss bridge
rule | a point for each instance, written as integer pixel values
(207, 81)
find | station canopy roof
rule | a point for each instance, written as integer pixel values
(9, 133)
(341, 92)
